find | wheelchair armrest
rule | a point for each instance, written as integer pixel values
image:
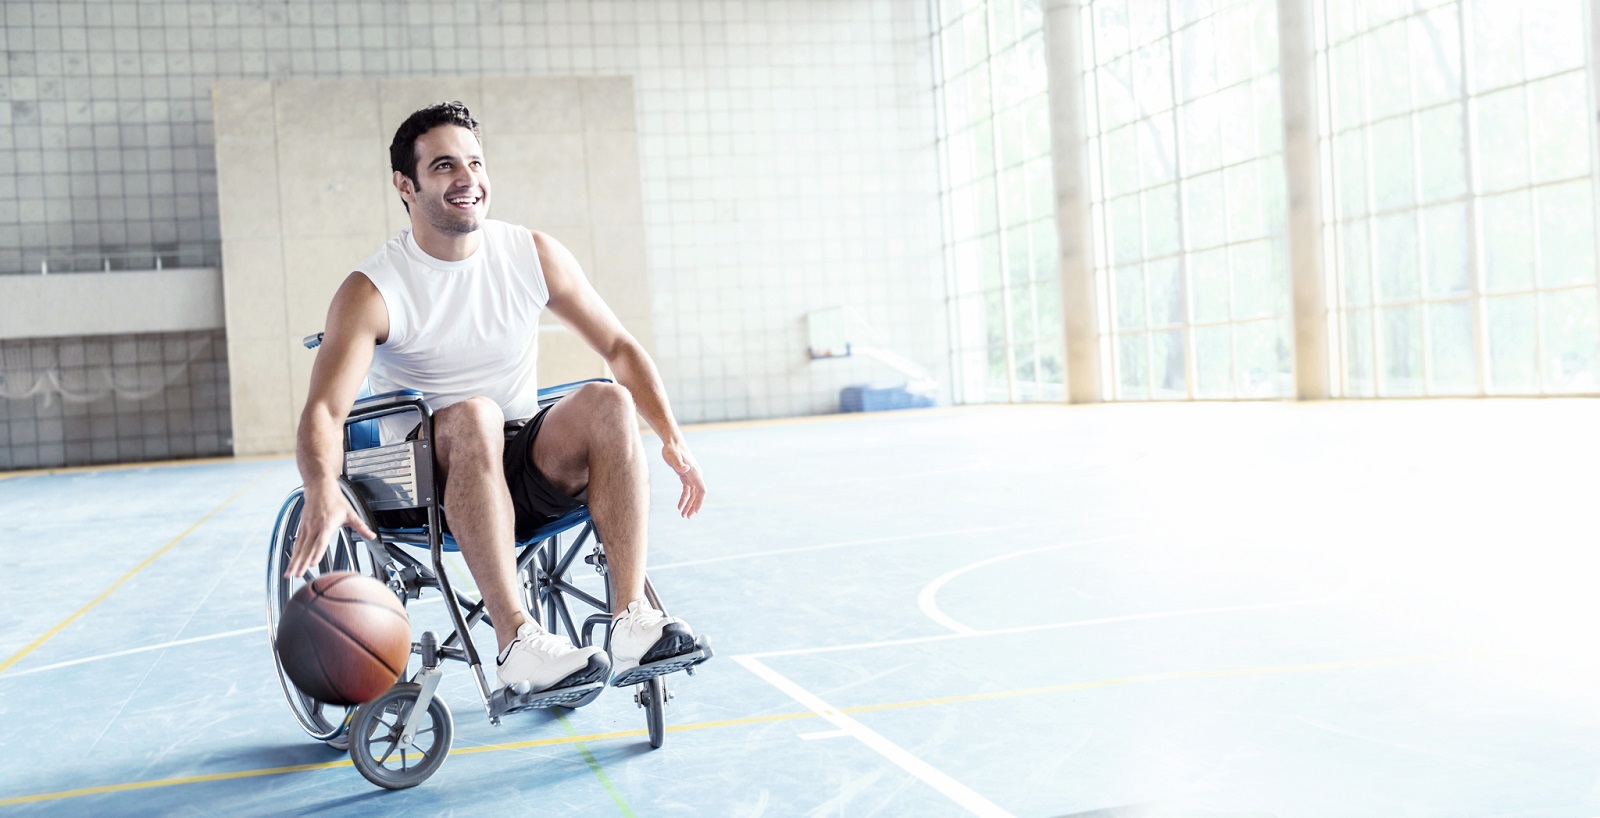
(361, 425)
(399, 397)
(551, 394)
(388, 403)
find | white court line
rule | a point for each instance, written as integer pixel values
(825, 546)
(131, 651)
(1080, 623)
(925, 599)
(927, 773)
(165, 645)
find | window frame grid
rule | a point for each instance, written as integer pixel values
(987, 118)
(1111, 334)
(1479, 294)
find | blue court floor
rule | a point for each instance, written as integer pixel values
(1123, 611)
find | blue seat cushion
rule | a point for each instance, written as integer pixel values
(419, 536)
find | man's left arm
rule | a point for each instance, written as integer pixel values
(575, 303)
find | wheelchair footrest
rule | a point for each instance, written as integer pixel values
(661, 667)
(508, 700)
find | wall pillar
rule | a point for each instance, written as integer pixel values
(1297, 66)
(1069, 149)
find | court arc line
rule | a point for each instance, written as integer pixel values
(73, 617)
(762, 719)
(899, 756)
(926, 597)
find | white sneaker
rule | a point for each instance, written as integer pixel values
(642, 635)
(543, 660)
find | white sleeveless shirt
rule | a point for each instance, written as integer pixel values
(460, 329)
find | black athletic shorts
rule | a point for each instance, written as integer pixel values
(535, 501)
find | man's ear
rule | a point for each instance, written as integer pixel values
(402, 183)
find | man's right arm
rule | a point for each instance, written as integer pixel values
(357, 322)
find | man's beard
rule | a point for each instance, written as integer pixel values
(442, 217)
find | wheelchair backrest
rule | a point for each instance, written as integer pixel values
(363, 433)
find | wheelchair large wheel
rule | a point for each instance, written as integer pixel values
(322, 721)
(652, 696)
(375, 738)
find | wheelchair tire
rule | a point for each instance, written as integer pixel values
(375, 739)
(652, 696)
(323, 722)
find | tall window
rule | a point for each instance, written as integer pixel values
(1188, 198)
(1461, 239)
(999, 201)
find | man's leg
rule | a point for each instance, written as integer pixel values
(589, 448)
(470, 440)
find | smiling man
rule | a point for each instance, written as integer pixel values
(450, 307)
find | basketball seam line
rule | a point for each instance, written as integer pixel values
(325, 618)
(324, 594)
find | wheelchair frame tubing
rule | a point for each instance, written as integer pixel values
(435, 531)
(436, 551)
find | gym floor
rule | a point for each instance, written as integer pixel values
(1139, 611)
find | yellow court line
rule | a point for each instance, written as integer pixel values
(49, 634)
(170, 782)
(799, 420)
(835, 417)
(939, 411)
(716, 424)
(153, 464)
(768, 719)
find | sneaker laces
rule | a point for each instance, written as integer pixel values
(543, 642)
(640, 616)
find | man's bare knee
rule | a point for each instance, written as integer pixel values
(472, 428)
(607, 405)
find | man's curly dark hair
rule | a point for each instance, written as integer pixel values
(403, 150)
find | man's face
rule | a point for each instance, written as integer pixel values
(452, 190)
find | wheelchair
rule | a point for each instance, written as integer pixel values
(402, 737)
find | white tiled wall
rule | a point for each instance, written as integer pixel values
(786, 150)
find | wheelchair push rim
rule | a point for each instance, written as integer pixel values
(321, 720)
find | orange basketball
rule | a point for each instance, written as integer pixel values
(344, 638)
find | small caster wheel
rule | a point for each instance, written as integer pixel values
(652, 696)
(375, 746)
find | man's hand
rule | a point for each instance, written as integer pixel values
(694, 485)
(323, 514)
